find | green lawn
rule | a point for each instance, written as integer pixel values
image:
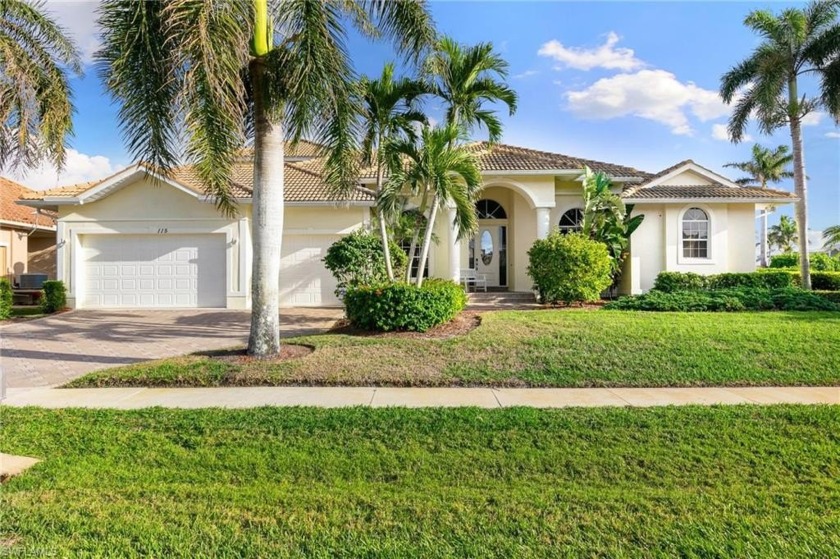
(739, 481)
(544, 348)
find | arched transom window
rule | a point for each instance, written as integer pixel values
(571, 221)
(695, 234)
(489, 209)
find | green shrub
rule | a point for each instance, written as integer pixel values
(786, 260)
(747, 298)
(54, 298)
(358, 259)
(569, 268)
(824, 281)
(669, 282)
(833, 296)
(5, 299)
(820, 261)
(767, 279)
(402, 306)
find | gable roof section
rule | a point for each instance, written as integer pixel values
(717, 188)
(14, 214)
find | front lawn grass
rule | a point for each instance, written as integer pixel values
(542, 348)
(741, 481)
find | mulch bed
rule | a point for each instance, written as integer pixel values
(462, 324)
(241, 357)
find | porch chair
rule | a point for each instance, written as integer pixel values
(470, 276)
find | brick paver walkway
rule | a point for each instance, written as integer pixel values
(55, 350)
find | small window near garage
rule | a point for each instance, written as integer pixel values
(571, 221)
(695, 234)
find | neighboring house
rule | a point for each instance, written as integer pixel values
(136, 240)
(27, 235)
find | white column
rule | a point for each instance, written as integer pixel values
(454, 247)
(543, 222)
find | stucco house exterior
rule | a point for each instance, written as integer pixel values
(27, 236)
(137, 240)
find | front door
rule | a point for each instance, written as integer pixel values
(490, 254)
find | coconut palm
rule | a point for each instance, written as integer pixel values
(441, 169)
(784, 235)
(388, 112)
(204, 77)
(766, 86)
(766, 166)
(831, 237)
(36, 106)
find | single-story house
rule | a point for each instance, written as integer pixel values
(137, 240)
(27, 235)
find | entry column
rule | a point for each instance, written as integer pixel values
(543, 222)
(454, 247)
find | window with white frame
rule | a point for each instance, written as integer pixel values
(695, 234)
(571, 221)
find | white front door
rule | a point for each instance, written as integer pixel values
(491, 254)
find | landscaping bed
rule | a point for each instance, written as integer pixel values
(280, 482)
(561, 348)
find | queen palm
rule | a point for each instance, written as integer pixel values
(831, 237)
(36, 107)
(784, 235)
(766, 86)
(389, 112)
(203, 77)
(766, 166)
(441, 169)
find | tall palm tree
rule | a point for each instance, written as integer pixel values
(439, 167)
(766, 86)
(467, 79)
(207, 76)
(36, 107)
(766, 166)
(389, 112)
(784, 235)
(831, 237)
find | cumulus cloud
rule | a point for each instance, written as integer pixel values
(651, 94)
(525, 74)
(813, 118)
(606, 56)
(80, 167)
(832, 134)
(719, 132)
(79, 18)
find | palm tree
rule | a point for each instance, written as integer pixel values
(784, 235)
(765, 86)
(204, 77)
(388, 112)
(766, 166)
(467, 78)
(831, 237)
(36, 106)
(440, 168)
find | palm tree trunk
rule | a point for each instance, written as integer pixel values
(800, 188)
(266, 224)
(427, 240)
(383, 229)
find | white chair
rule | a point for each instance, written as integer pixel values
(470, 276)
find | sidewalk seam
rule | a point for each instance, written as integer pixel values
(620, 397)
(496, 396)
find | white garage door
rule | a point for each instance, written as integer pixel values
(304, 281)
(154, 271)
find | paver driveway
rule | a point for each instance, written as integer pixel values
(55, 350)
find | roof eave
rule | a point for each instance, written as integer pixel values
(712, 200)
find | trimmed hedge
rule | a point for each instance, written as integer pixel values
(672, 282)
(5, 299)
(820, 261)
(726, 300)
(669, 282)
(402, 306)
(824, 281)
(55, 297)
(833, 296)
(765, 280)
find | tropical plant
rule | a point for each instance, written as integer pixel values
(402, 306)
(207, 76)
(389, 112)
(606, 218)
(766, 166)
(569, 268)
(438, 167)
(358, 259)
(784, 235)
(36, 107)
(831, 237)
(766, 86)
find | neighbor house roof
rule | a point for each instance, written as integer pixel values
(14, 214)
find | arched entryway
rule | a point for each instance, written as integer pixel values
(488, 249)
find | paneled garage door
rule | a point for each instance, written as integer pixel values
(154, 271)
(304, 281)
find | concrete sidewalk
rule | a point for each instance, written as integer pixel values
(331, 397)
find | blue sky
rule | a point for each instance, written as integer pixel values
(626, 82)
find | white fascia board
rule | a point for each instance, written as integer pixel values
(22, 225)
(126, 176)
(695, 169)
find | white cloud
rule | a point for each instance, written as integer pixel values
(79, 18)
(813, 118)
(604, 56)
(832, 134)
(651, 94)
(720, 132)
(79, 167)
(525, 74)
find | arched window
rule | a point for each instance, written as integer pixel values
(695, 234)
(571, 221)
(489, 209)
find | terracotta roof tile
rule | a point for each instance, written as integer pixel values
(10, 210)
(695, 191)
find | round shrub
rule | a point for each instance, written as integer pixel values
(669, 282)
(358, 259)
(5, 299)
(55, 297)
(402, 306)
(569, 268)
(786, 260)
